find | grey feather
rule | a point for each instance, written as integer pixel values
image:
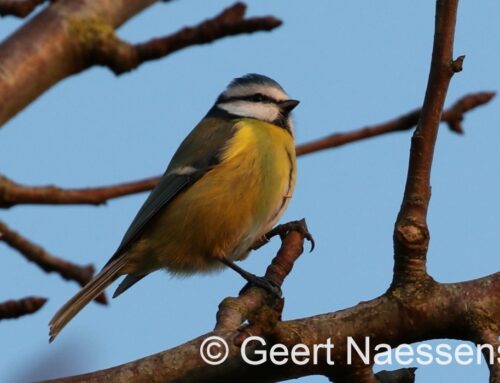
(128, 282)
(89, 292)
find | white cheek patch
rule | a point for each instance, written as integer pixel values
(260, 111)
(183, 171)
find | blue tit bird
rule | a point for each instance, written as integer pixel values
(226, 186)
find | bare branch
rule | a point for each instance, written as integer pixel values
(436, 311)
(456, 114)
(256, 305)
(411, 235)
(50, 43)
(47, 262)
(12, 193)
(68, 37)
(16, 308)
(18, 8)
(122, 57)
(452, 116)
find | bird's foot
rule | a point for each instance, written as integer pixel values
(254, 280)
(263, 283)
(282, 230)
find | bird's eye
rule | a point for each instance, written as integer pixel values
(258, 97)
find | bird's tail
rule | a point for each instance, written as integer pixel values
(90, 291)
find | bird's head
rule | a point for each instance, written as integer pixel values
(260, 97)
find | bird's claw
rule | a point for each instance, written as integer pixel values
(283, 229)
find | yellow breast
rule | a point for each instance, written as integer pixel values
(232, 205)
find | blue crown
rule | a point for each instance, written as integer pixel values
(254, 78)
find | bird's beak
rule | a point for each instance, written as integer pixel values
(288, 105)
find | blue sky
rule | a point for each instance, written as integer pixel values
(351, 64)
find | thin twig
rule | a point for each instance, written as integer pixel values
(12, 193)
(121, 56)
(47, 262)
(453, 116)
(16, 308)
(18, 8)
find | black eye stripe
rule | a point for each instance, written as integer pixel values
(257, 97)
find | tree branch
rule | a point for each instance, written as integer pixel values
(122, 57)
(16, 308)
(49, 43)
(18, 8)
(452, 116)
(256, 305)
(69, 36)
(434, 311)
(438, 311)
(12, 193)
(411, 235)
(47, 262)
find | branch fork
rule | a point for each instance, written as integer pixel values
(257, 306)
(107, 49)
